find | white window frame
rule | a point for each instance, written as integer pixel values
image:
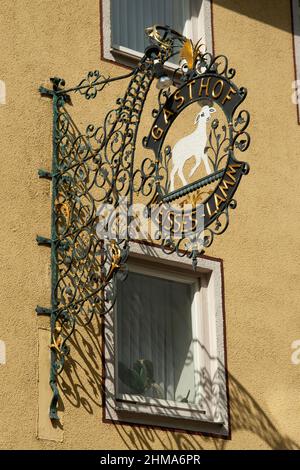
(208, 322)
(202, 25)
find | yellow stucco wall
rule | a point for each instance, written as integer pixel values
(44, 38)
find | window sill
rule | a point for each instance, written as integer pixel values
(129, 58)
(165, 409)
(139, 400)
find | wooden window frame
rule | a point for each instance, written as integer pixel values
(295, 17)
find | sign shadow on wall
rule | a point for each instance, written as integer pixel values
(82, 385)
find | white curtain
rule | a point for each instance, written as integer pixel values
(131, 17)
(154, 323)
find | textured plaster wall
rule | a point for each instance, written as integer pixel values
(40, 39)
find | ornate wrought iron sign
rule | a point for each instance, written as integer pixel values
(99, 168)
(214, 89)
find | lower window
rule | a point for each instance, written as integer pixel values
(165, 346)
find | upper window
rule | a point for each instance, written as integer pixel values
(167, 366)
(124, 23)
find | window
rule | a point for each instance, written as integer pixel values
(165, 346)
(296, 36)
(124, 23)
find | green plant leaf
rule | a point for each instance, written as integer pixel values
(131, 378)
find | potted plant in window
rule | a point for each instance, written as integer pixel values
(140, 379)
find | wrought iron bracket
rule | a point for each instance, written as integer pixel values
(43, 310)
(97, 167)
(43, 241)
(44, 174)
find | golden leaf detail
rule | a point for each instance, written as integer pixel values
(187, 53)
(64, 209)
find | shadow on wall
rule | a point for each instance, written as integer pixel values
(268, 11)
(82, 385)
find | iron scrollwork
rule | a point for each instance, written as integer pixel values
(98, 166)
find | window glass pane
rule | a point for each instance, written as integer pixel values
(155, 338)
(131, 17)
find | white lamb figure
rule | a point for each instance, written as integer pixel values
(192, 145)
